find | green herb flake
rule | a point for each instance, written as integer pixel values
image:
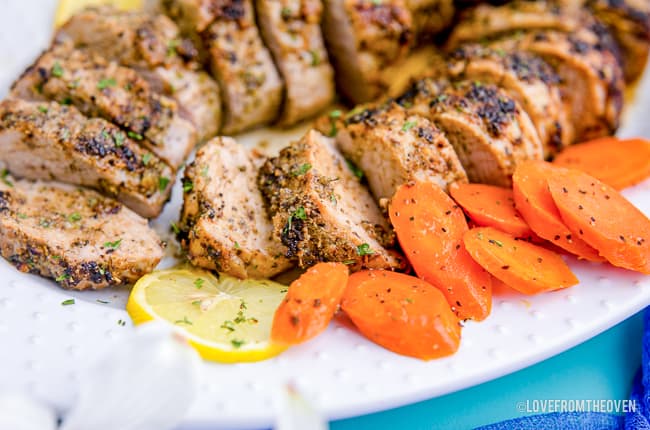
(353, 167)
(21, 215)
(3, 177)
(300, 213)
(162, 183)
(183, 321)
(146, 158)
(364, 249)
(103, 302)
(67, 101)
(315, 58)
(237, 343)
(74, 217)
(197, 302)
(237, 245)
(187, 185)
(304, 168)
(67, 302)
(105, 83)
(44, 223)
(43, 109)
(335, 114)
(496, 242)
(349, 262)
(228, 325)
(113, 245)
(174, 227)
(57, 70)
(286, 12)
(171, 47)
(134, 135)
(118, 138)
(198, 283)
(408, 125)
(409, 300)
(204, 171)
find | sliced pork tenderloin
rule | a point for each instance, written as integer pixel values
(49, 141)
(224, 226)
(320, 209)
(75, 236)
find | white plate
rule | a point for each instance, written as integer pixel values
(43, 344)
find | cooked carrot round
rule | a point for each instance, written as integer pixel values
(491, 206)
(534, 202)
(401, 313)
(617, 162)
(603, 218)
(527, 268)
(430, 228)
(310, 304)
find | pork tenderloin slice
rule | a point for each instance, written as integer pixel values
(629, 23)
(320, 210)
(223, 222)
(488, 129)
(104, 89)
(75, 236)
(364, 37)
(251, 85)
(291, 29)
(393, 147)
(48, 141)
(153, 45)
(526, 78)
(430, 17)
(591, 77)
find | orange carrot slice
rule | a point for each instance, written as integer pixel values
(617, 162)
(430, 228)
(310, 304)
(528, 268)
(401, 313)
(534, 202)
(491, 206)
(603, 218)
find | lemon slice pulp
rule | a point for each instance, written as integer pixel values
(226, 319)
(67, 8)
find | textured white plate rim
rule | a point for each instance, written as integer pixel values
(343, 374)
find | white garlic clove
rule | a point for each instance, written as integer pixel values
(148, 382)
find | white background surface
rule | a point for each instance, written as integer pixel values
(43, 345)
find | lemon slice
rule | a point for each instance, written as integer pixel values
(226, 319)
(67, 8)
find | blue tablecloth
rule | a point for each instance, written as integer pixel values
(602, 368)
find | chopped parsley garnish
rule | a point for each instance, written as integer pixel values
(197, 302)
(106, 82)
(62, 277)
(43, 109)
(67, 100)
(364, 249)
(237, 343)
(349, 262)
(113, 245)
(103, 302)
(240, 318)
(67, 302)
(408, 300)
(44, 223)
(204, 171)
(315, 57)
(21, 215)
(3, 177)
(228, 325)
(198, 283)
(174, 227)
(302, 170)
(118, 138)
(74, 217)
(300, 213)
(146, 158)
(121, 323)
(57, 70)
(237, 245)
(162, 183)
(171, 47)
(357, 172)
(408, 125)
(496, 242)
(335, 114)
(286, 12)
(134, 135)
(187, 185)
(183, 321)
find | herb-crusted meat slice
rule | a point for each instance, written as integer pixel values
(528, 79)
(223, 222)
(48, 141)
(488, 129)
(291, 30)
(75, 236)
(320, 210)
(99, 88)
(591, 77)
(152, 44)
(629, 22)
(363, 38)
(393, 147)
(251, 86)
(430, 17)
